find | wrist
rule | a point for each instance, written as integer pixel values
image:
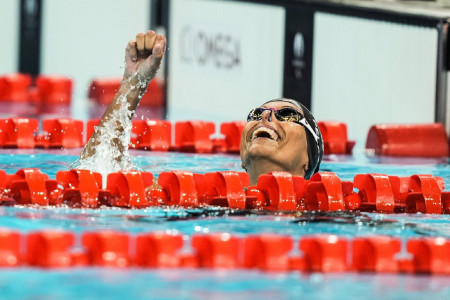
(137, 80)
(135, 84)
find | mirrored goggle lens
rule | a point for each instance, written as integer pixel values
(288, 114)
(255, 114)
(284, 114)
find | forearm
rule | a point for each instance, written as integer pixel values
(133, 89)
(142, 59)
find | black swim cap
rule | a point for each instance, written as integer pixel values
(315, 141)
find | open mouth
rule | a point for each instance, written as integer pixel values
(264, 132)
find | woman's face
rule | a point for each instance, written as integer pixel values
(281, 144)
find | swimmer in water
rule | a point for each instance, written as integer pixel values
(280, 135)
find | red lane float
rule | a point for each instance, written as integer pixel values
(224, 188)
(159, 250)
(266, 252)
(324, 192)
(155, 135)
(376, 193)
(107, 248)
(194, 136)
(325, 253)
(49, 249)
(63, 133)
(18, 132)
(425, 196)
(255, 198)
(428, 140)
(179, 187)
(30, 186)
(430, 255)
(54, 89)
(102, 90)
(15, 87)
(334, 136)
(129, 188)
(9, 248)
(217, 251)
(81, 188)
(232, 132)
(400, 189)
(278, 188)
(376, 254)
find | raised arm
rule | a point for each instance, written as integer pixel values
(142, 59)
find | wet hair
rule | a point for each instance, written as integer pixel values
(315, 146)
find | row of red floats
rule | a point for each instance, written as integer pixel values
(24, 88)
(54, 89)
(429, 140)
(268, 252)
(156, 135)
(274, 191)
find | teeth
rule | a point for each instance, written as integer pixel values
(272, 133)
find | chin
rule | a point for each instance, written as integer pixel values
(261, 151)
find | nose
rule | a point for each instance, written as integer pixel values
(267, 114)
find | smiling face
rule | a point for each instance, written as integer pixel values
(272, 145)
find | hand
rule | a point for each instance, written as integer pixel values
(143, 55)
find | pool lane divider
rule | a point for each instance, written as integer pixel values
(277, 191)
(45, 94)
(153, 135)
(265, 252)
(102, 90)
(23, 95)
(424, 140)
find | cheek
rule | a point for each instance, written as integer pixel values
(296, 146)
(243, 144)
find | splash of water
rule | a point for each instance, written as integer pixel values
(112, 140)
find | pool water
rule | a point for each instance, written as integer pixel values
(89, 283)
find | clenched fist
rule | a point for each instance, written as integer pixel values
(143, 56)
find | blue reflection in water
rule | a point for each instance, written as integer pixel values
(87, 283)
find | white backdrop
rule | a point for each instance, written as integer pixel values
(9, 36)
(369, 72)
(225, 58)
(364, 71)
(85, 39)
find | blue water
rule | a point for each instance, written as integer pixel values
(345, 166)
(201, 284)
(90, 283)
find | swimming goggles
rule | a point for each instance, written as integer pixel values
(283, 114)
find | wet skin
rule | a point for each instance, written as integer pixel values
(271, 145)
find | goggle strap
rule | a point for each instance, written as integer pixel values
(307, 126)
